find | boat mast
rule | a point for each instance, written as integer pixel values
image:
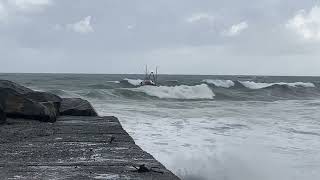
(156, 79)
(146, 75)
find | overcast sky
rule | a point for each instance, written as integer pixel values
(263, 37)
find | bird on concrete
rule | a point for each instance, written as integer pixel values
(112, 139)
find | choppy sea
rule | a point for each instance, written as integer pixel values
(209, 127)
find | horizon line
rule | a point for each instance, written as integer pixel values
(81, 73)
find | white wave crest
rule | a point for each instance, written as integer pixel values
(303, 84)
(135, 82)
(220, 83)
(116, 82)
(201, 91)
(256, 85)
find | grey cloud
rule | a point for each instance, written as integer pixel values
(126, 35)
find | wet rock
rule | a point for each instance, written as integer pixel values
(45, 97)
(51, 107)
(76, 107)
(18, 106)
(11, 85)
(2, 115)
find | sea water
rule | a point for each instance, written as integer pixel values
(209, 127)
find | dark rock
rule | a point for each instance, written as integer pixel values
(18, 106)
(51, 107)
(2, 115)
(45, 97)
(11, 85)
(76, 107)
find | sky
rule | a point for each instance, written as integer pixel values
(239, 37)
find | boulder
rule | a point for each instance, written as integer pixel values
(18, 106)
(2, 115)
(42, 97)
(17, 87)
(76, 107)
(51, 107)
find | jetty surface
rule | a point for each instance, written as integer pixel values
(74, 147)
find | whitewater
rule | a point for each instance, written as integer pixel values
(209, 127)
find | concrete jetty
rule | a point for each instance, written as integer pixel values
(74, 147)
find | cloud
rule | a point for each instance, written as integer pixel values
(236, 29)
(130, 27)
(306, 24)
(29, 5)
(83, 26)
(11, 9)
(117, 27)
(3, 12)
(199, 17)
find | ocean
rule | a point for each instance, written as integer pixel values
(209, 127)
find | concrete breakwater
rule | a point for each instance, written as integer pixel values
(73, 143)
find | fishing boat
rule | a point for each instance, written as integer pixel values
(150, 78)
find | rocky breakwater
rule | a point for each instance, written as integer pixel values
(20, 102)
(2, 115)
(43, 136)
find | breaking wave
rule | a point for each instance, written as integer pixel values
(116, 82)
(257, 85)
(201, 91)
(220, 83)
(208, 89)
(134, 82)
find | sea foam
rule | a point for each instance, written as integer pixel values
(201, 91)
